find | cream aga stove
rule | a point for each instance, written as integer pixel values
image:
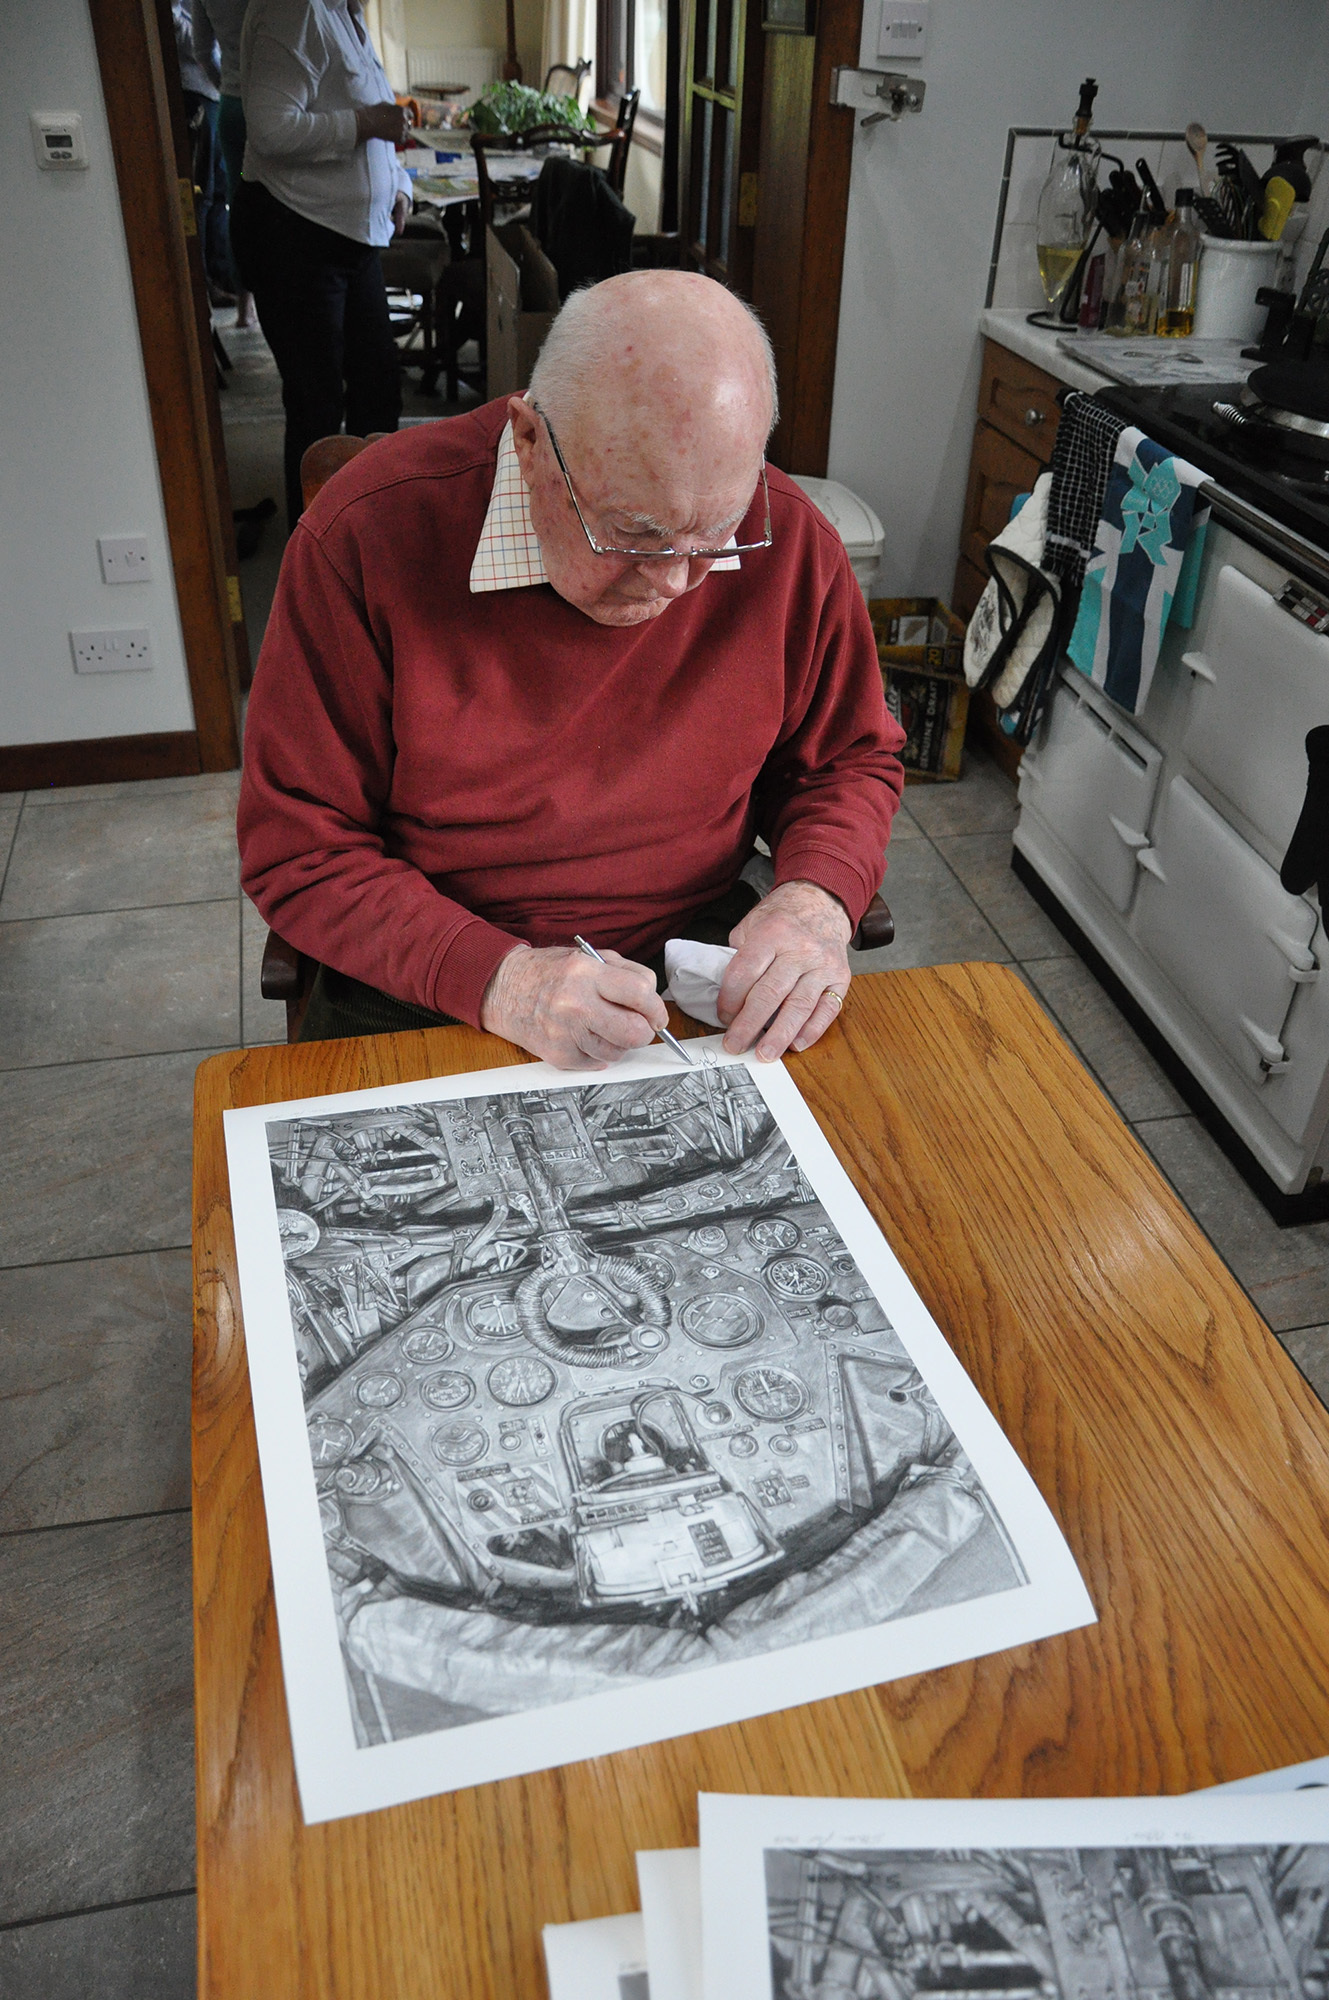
(1161, 835)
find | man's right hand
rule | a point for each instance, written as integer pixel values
(571, 1011)
(382, 121)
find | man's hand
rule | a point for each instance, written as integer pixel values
(571, 1011)
(382, 121)
(790, 975)
(401, 209)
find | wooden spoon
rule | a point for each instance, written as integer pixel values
(1196, 140)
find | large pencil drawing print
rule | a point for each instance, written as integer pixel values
(596, 1394)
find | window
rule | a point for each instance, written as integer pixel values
(632, 53)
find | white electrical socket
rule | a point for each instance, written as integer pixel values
(117, 649)
(124, 558)
(893, 31)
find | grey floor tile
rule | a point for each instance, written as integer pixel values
(141, 789)
(142, 1951)
(1104, 1038)
(96, 1726)
(936, 921)
(904, 826)
(981, 801)
(94, 1389)
(172, 841)
(260, 1020)
(119, 983)
(1309, 1348)
(96, 1158)
(10, 805)
(983, 863)
(1285, 1271)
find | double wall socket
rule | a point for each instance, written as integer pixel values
(124, 558)
(118, 649)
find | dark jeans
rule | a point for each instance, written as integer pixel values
(210, 180)
(231, 145)
(324, 314)
(340, 1006)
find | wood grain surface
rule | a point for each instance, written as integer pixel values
(1183, 1455)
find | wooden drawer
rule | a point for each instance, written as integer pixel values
(1019, 400)
(998, 471)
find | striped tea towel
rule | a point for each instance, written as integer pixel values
(1150, 511)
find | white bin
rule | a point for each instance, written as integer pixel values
(854, 522)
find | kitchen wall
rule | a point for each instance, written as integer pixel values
(923, 202)
(76, 447)
(477, 24)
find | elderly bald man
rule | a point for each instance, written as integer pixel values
(546, 669)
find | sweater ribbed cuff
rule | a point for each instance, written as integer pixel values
(829, 872)
(468, 962)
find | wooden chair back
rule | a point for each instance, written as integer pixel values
(326, 456)
(483, 143)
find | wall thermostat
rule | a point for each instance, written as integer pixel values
(57, 139)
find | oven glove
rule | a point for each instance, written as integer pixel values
(1015, 618)
(1307, 857)
(692, 977)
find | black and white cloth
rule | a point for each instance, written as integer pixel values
(1081, 461)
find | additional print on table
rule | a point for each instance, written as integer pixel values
(597, 1394)
(1200, 1898)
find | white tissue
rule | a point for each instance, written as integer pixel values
(694, 972)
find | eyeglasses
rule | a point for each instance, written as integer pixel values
(665, 554)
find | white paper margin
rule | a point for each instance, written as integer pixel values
(669, 1883)
(736, 1832)
(335, 1776)
(585, 1961)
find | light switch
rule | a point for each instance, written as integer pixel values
(902, 31)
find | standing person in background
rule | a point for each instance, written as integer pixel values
(321, 194)
(220, 22)
(199, 74)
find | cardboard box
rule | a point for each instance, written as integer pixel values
(920, 643)
(522, 301)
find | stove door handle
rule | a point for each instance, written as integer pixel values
(1200, 667)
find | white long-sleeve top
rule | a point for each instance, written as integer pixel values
(304, 71)
(221, 20)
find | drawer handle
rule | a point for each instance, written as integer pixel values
(1130, 835)
(1033, 416)
(1145, 857)
(1200, 667)
(1273, 1057)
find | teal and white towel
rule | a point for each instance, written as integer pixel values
(1151, 517)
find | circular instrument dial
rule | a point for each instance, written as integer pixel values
(720, 1319)
(427, 1343)
(329, 1440)
(773, 1232)
(797, 1277)
(448, 1391)
(460, 1444)
(379, 1392)
(521, 1380)
(772, 1393)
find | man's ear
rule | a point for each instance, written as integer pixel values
(525, 434)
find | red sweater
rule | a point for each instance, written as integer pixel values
(430, 774)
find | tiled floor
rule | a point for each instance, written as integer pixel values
(127, 953)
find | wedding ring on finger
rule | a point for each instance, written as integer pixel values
(831, 994)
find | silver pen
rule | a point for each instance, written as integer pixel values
(663, 1033)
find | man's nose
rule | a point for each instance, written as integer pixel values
(668, 574)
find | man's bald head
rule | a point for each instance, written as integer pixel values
(660, 388)
(669, 349)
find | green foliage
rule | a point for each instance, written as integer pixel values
(515, 107)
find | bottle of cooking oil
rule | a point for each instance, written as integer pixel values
(1134, 305)
(1181, 246)
(1066, 201)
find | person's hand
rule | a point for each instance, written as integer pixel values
(790, 975)
(401, 208)
(570, 1010)
(382, 121)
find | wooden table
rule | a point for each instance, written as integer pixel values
(1183, 1455)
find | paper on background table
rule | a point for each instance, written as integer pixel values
(601, 1959)
(880, 1851)
(669, 1879)
(771, 1481)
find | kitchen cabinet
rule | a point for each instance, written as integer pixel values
(1018, 414)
